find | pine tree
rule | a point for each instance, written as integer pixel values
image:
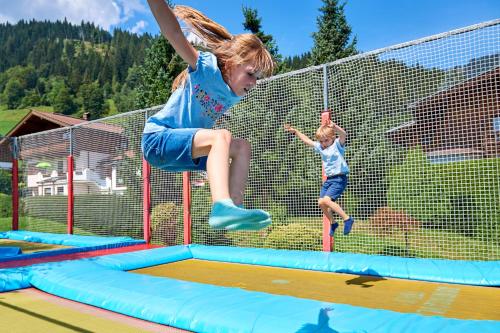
(253, 24)
(332, 40)
(161, 67)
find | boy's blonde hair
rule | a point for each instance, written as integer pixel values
(228, 49)
(325, 132)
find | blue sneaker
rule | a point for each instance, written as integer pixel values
(250, 226)
(348, 225)
(225, 215)
(333, 227)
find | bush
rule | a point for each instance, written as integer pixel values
(5, 205)
(295, 236)
(459, 196)
(164, 223)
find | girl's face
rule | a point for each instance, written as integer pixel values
(242, 78)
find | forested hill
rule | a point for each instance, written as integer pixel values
(59, 64)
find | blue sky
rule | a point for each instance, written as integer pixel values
(376, 24)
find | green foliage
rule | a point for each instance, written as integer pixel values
(13, 94)
(161, 66)
(332, 41)
(5, 205)
(62, 100)
(458, 196)
(253, 24)
(49, 63)
(202, 233)
(164, 222)
(116, 216)
(92, 98)
(5, 181)
(295, 236)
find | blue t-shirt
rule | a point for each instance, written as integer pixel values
(333, 158)
(204, 97)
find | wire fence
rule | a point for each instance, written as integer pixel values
(423, 147)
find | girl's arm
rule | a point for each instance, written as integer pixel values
(171, 30)
(340, 132)
(300, 135)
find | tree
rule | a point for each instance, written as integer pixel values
(253, 24)
(60, 98)
(332, 41)
(92, 98)
(13, 94)
(161, 67)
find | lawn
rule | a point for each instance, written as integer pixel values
(40, 225)
(10, 118)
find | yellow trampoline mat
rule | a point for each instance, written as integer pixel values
(425, 298)
(33, 311)
(29, 247)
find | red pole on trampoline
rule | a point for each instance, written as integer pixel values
(328, 242)
(186, 198)
(70, 194)
(15, 194)
(146, 200)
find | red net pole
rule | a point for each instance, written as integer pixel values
(186, 198)
(146, 200)
(15, 194)
(70, 194)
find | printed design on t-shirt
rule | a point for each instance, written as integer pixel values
(210, 106)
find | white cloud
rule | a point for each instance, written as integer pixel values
(138, 27)
(104, 13)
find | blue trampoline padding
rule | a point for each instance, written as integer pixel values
(207, 308)
(145, 258)
(14, 278)
(483, 273)
(64, 239)
(9, 251)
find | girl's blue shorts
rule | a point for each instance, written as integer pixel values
(170, 150)
(333, 187)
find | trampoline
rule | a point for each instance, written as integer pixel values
(374, 292)
(27, 245)
(221, 289)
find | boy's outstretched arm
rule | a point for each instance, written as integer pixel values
(171, 30)
(300, 135)
(340, 132)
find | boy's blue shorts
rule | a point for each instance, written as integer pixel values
(333, 186)
(170, 150)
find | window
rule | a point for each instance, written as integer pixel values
(496, 128)
(47, 191)
(60, 190)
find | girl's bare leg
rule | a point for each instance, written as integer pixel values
(240, 153)
(215, 144)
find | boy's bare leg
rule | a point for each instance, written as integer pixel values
(214, 144)
(336, 208)
(240, 154)
(327, 212)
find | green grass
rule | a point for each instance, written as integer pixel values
(41, 225)
(10, 118)
(423, 243)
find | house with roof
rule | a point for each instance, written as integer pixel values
(459, 123)
(44, 156)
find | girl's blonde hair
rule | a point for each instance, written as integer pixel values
(325, 132)
(228, 49)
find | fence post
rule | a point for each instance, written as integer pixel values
(15, 186)
(328, 242)
(146, 200)
(70, 185)
(186, 199)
